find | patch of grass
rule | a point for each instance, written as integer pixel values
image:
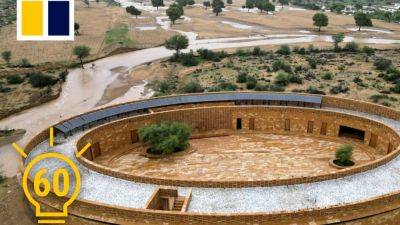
(119, 35)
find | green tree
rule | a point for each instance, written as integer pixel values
(320, 20)
(166, 137)
(269, 7)
(81, 52)
(260, 4)
(217, 6)
(249, 4)
(6, 55)
(343, 154)
(191, 2)
(362, 19)
(174, 12)
(284, 2)
(182, 3)
(358, 6)
(133, 10)
(229, 2)
(177, 43)
(157, 3)
(206, 4)
(337, 7)
(336, 40)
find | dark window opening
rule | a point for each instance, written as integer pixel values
(351, 133)
(310, 127)
(324, 127)
(238, 123)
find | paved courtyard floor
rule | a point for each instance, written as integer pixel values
(256, 156)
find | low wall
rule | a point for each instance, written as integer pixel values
(267, 119)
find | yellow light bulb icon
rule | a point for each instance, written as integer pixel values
(42, 185)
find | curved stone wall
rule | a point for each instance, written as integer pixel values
(266, 119)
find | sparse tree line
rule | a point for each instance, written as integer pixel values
(361, 20)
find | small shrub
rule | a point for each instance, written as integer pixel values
(351, 47)
(193, 87)
(296, 79)
(341, 88)
(282, 79)
(251, 82)
(262, 87)
(25, 63)
(314, 90)
(165, 137)
(257, 51)
(189, 60)
(63, 75)
(343, 155)
(15, 79)
(227, 86)
(377, 98)
(312, 62)
(4, 89)
(327, 76)
(284, 50)
(241, 77)
(382, 63)
(281, 65)
(214, 89)
(368, 50)
(302, 51)
(396, 88)
(276, 88)
(39, 80)
(392, 74)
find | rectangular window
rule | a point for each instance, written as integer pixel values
(238, 123)
(58, 18)
(324, 126)
(32, 18)
(134, 136)
(373, 141)
(251, 123)
(310, 127)
(287, 125)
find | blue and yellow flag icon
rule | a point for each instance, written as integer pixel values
(42, 20)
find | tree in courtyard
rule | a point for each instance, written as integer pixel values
(284, 2)
(157, 3)
(229, 2)
(217, 6)
(133, 11)
(343, 155)
(177, 43)
(76, 28)
(6, 55)
(87, 3)
(166, 137)
(336, 40)
(249, 4)
(174, 12)
(320, 20)
(362, 20)
(81, 52)
(206, 4)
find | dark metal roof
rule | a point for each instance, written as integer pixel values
(82, 120)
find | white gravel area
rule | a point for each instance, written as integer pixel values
(350, 189)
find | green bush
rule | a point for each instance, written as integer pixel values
(211, 55)
(165, 137)
(314, 90)
(4, 89)
(251, 82)
(296, 79)
(351, 47)
(382, 63)
(227, 86)
(282, 79)
(341, 88)
(284, 50)
(15, 79)
(368, 50)
(343, 155)
(281, 65)
(392, 74)
(39, 80)
(241, 77)
(193, 87)
(262, 87)
(189, 59)
(25, 63)
(327, 76)
(396, 88)
(312, 62)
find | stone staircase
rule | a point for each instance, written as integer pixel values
(178, 204)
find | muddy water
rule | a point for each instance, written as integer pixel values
(84, 88)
